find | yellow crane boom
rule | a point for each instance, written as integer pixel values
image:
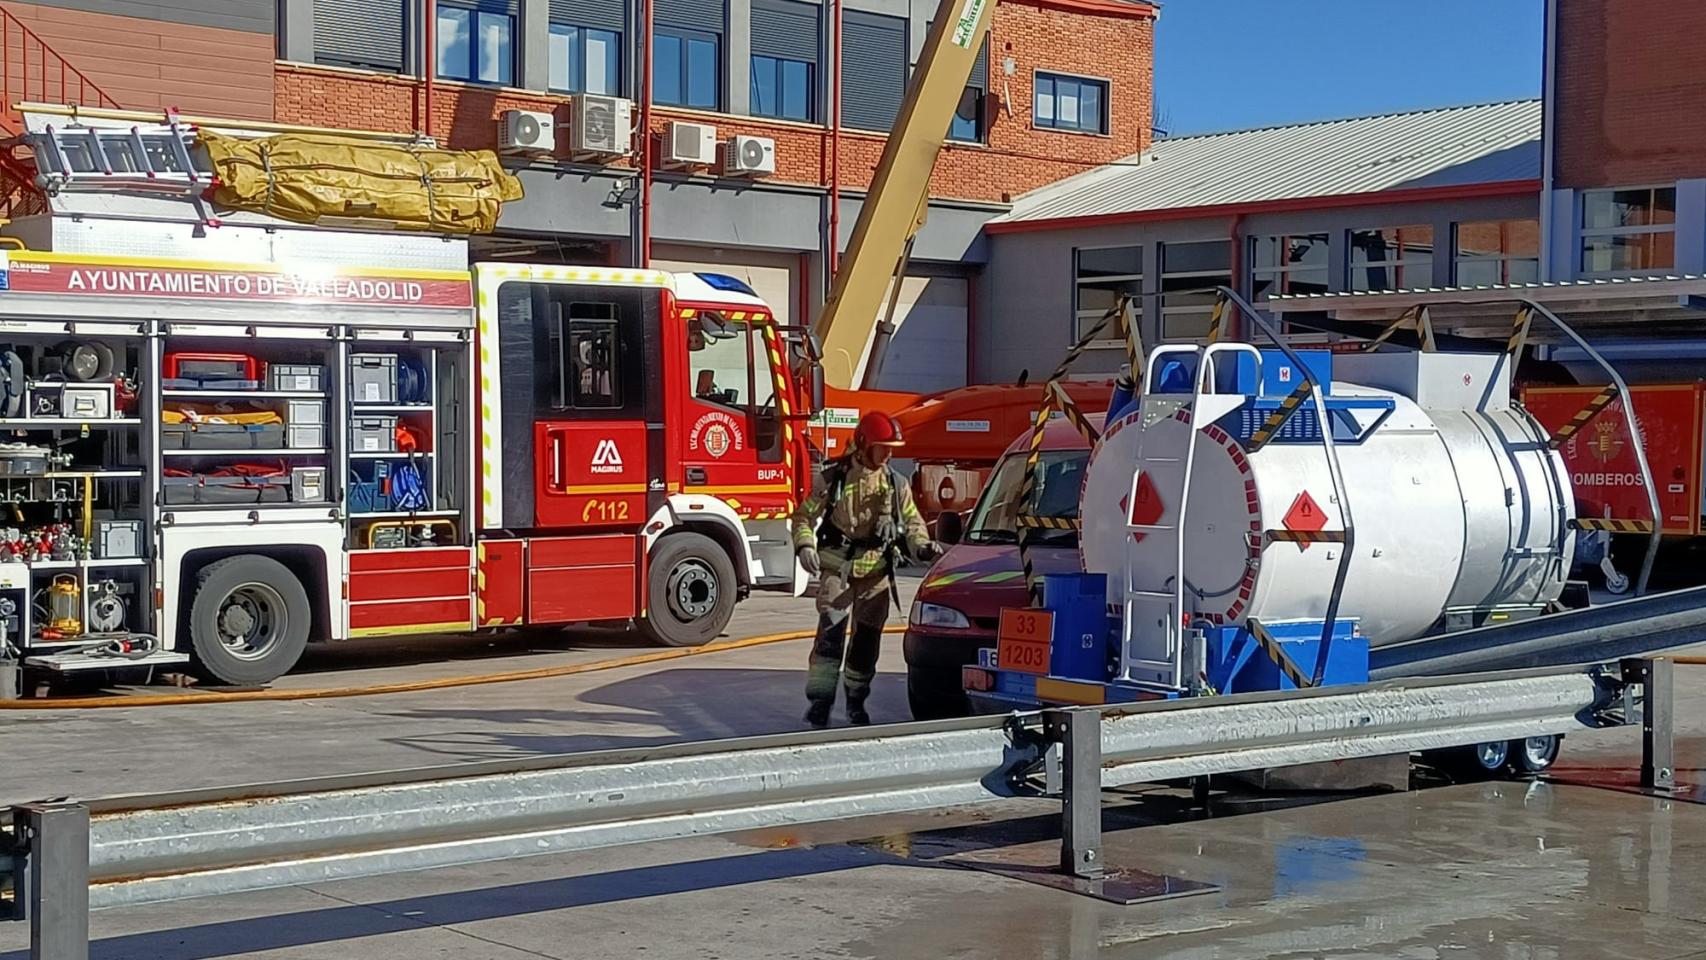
(900, 192)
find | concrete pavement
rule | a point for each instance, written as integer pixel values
(1576, 867)
(1476, 871)
(151, 749)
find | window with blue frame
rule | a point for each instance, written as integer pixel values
(585, 60)
(476, 43)
(685, 68)
(781, 88)
(1070, 103)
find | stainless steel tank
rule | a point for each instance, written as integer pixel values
(1461, 510)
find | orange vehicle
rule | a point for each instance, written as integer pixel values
(957, 436)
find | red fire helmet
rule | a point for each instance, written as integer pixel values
(877, 429)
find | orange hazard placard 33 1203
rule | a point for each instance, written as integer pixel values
(1022, 643)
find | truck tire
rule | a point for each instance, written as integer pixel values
(690, 591)
(249, 620)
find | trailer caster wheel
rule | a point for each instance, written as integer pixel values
(1534, 755)
(1616, 583)
(690, 591)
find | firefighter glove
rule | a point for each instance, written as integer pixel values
(808, 560)
(929, 550)
(885, 529)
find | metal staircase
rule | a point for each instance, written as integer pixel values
(32, 72)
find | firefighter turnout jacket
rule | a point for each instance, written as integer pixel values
(845, 513)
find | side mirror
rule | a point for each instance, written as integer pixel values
(817, 386)
(950, 527)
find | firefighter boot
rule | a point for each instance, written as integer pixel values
(823, 672)
(856, 714)
(818, 713)
(861, 666)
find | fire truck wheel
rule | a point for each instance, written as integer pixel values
(249, 620)
(690, 591)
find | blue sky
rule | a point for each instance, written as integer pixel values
(1230, 64)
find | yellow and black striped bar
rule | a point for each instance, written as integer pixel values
(1406, 318)
(1614, 526)
(1133, 339)
(1276, 420)
(1277, 654)
(1064, 403)
(1216, 318)
(1519, 333)
(1028, 487)
(1584, 416)
(1032, 521)
(1305, 536)
(1078, 348)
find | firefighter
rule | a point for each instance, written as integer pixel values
(849, 533)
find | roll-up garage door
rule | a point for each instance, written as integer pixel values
(928, 352)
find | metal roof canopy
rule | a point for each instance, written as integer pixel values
(1606, 305)
(1438, 149)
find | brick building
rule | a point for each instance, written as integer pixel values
(1062, 86)
(1626, 126)
(1622, 197)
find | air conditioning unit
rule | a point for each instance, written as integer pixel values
(601, 126)
(690, 144)
(749, 156)
(527, 131)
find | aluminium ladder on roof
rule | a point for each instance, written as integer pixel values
(156, 159)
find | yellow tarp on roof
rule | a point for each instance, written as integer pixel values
(304, 178)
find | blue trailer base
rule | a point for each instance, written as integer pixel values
(1083, 656)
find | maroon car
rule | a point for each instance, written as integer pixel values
(956, 609)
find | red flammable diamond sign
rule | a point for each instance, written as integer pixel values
(1142, 505)
(1305, 516)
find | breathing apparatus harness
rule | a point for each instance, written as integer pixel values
(832, 537)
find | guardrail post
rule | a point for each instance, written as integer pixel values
(1658, 747)
(54, 887)
(1079, 733)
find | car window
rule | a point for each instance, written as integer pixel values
(1060, 474)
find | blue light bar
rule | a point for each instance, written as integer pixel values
(726, 283)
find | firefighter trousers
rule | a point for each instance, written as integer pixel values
(834, 661)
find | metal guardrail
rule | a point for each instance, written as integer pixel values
(1598, 634)
(204, 843)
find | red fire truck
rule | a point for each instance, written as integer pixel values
(226, 438)
(1606, 476)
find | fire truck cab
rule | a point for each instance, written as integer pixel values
(616, 403)
(229, 436)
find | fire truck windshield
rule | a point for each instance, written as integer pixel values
(730, 365)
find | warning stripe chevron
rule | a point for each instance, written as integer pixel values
(1584, 415)
(1404, 320)
(1064, 403)
(1519, 331)
(1053, 396)
(1215, 319)
(1615, 526)
(1305, 536)
(1271, 647)
(1031, 521)
(1276, 420)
